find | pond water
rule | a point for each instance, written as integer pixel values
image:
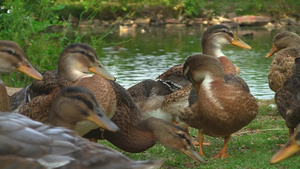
(147, 52)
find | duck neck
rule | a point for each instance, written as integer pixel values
(4, 100)
(70, 74)
(212, 49)
(56, 120)
(135, 138)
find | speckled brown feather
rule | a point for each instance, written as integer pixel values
(287, 98)
(51, 80)
(281, 67)
(176, 101)
(39, 107)
(103, 91)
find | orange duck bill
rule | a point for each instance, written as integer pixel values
(239, 43)
(286, 151)
(272, 51)
(29, 70)
(100, 70)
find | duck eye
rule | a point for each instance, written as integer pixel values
(10, 51)
(85, 113)
(79, 97)
(181, 135)
(83, 52)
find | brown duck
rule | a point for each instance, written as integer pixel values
(75, 61)
(222, 107)
(288, 45)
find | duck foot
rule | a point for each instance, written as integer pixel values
(195, 143)
(221, 155)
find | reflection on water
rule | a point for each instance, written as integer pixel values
(149, 52)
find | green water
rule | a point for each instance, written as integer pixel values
(146, 53)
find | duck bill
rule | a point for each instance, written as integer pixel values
(197, 86)
(239, 43)
(102, 120)
(192, 153)
(285, 152)
(99, 69)
(29, 70)
(272, 51)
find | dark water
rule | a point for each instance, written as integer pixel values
(146, 53)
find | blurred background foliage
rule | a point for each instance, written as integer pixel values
(28, 22)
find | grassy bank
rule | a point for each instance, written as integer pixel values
(251, 147)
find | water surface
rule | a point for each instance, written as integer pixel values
(146, 53)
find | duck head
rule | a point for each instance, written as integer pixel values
(283, 40)
(199, 67)
(12, 57)
(217, 36)
(176, 138)
(77, 60)
(76, 104)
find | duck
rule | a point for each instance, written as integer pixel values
(287, 98)
(164, 104)
(290, 148)
(222, 108)
(138, 134)
(31, 144)
(74, 64)
(13, 58)
(288, 46)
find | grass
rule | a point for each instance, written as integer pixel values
(251, 147)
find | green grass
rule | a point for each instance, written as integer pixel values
(251, 147)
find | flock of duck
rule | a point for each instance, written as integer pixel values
(55, 121)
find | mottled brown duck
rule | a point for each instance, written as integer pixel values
(222, 108)
(26, 143)
(75, 61)
(287, 98)
(288, 46)
(12, 57)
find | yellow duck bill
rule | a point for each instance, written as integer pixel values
(100, 70)
(239, 43)
(103, 121)
(29, 70)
